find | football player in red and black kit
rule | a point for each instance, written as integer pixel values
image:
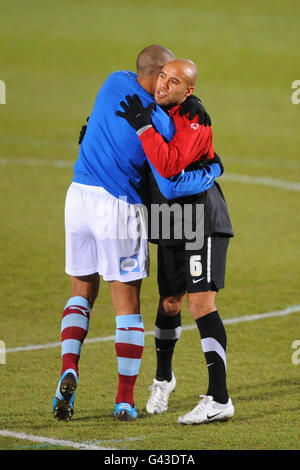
(199, 272)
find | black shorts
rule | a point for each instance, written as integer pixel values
(180, 270)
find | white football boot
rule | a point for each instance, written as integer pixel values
(208, 410)
(159, 397)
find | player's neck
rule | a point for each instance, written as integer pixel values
(147, 83)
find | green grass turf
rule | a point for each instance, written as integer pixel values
(263, 383)
(54, 57)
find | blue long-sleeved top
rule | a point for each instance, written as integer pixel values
(187, 183)
(111, 154)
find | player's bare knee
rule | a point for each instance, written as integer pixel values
(170, 306)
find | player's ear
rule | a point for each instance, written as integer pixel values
(189, 91)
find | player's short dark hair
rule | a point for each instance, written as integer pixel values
(152, 57)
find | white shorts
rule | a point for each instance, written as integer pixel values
(104, 235)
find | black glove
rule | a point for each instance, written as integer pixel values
(216, 159)
(135, 113)
(82, 132)
(193, 106)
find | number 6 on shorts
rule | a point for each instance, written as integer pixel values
(195, 265)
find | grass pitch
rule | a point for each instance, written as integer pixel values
(54, 59)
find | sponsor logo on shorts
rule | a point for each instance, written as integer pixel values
(129, 264)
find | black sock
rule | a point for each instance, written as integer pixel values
(167, 332)
(213, 340)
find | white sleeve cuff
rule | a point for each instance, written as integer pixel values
(143, 129)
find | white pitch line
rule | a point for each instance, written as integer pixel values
(227, 321)
(262, 180)
(36, 162)
(49, 440)
(236, 178)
